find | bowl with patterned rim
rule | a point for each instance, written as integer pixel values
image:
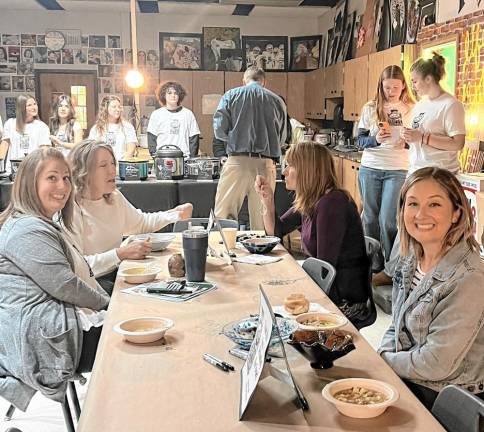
(261, 245)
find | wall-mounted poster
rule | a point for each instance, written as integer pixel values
(346, 38)
(11, 39)
(13, 54)
(114, 41)
(370, 29)
(181, 51)
(305, 52)
(152, 59)
(18, 83)
(398, 28)
(28, 55)
(447, 10)
(413, 20)
(10, 107)
(216, 39)
(266, 52)
(28, 39)
(427, 11)
(96, 41)
(329, 47)
(41, 40)
(3, 55)
(338, 29)
(447, 48)
(5, 83)
(41, 54)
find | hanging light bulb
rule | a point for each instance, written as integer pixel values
(134, 79)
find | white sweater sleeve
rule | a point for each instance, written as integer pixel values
(101, 263)
(137, 222)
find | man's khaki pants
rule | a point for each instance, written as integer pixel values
(237, 181)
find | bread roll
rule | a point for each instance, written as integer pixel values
(296, 304)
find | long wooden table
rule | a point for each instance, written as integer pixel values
(166, 386)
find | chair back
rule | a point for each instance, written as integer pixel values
(321, 272)
(373, 250)
(181, 226)
(458, 410)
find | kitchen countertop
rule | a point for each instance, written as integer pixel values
(354, 156)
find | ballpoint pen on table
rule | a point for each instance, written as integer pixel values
(227, 365)
(217, 363)
(167, 291)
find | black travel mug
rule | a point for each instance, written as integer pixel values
(195, 244)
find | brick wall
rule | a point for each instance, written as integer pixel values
(470, 74)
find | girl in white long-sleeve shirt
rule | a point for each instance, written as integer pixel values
(103, 215)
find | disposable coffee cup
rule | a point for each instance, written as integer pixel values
(230, 235)
(195, 244)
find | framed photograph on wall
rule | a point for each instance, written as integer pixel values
(181, 51)
(266, 52)
(305, 52)
(447, 48)
(347, 37)
(216, 39)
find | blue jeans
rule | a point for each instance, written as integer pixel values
(379, 193)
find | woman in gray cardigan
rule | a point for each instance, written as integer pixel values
(44, 305)
(436, 337)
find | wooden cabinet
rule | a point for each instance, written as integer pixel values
(333, 82)
(338, 168)
(277, 82)
(233, 80)
(314, 94)
(205, 83)
(295, 95)
(379, 61)
(350, 180)
(355, 87)
(185, 78)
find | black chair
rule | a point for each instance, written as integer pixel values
(321, 272)
(66, 410)
(459, 410)
(181, 226)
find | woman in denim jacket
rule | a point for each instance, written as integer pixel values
(436, 337)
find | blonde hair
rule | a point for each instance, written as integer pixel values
(102, 116)
(316, 175)
(82, 158)
(390, 72)
(459, 231)
(24, 199)
(253, 73)
(21, 111)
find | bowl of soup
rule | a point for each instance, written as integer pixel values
(143, 329)
(261, 245)
(317, 321)
(139, 274)
(360, 397)
(159, 241)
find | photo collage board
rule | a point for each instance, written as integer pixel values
(21, 54)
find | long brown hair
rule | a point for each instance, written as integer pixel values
(24, 199)
(21, 111)
(54, 121)
(81, 158)
(460, 230)
(102, 116)
(390, 72)
(316, 175)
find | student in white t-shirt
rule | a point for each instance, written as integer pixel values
(437, 134)
(173, 124)
(25, 133)
(113, 130)
(384, 162)
(65, 131)
(438, 119)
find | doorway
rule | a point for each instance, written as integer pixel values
(80, 85)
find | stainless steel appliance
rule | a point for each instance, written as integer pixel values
(169, 163)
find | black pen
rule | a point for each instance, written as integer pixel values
(166, 291)
(227, 365)
(208, 358)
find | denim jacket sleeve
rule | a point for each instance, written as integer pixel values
(365, 140)
(388, 341)
(456, 321)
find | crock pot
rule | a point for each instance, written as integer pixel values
(169, 164)
(133, 169)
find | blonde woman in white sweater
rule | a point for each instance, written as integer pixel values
(103, 215)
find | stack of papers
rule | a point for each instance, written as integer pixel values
(198, 289)
(257, 259)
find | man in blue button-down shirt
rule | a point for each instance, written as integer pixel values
(251, 120)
